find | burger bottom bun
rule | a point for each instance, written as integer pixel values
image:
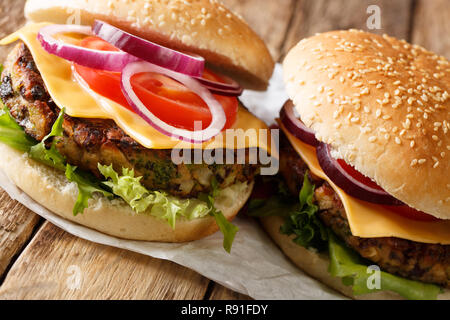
(51, 189)
(316, 265)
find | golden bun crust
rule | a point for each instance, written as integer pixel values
(384, 107)
(200, 26)
(52, 190)
(316, 265)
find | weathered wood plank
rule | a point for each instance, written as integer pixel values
(57, 265)
(270, 19)
(312, 16)
(431, 27)
(221, 293)
(16, 226)
(11, 18)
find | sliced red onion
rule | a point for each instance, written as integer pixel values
(192, 65)
(350, 185)
(232, 88)
(216, 109)
(296, 127)
(97, 59)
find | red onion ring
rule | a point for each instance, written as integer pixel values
(97, 59)
(148, 51)
(231, 88)
(350, 185)
(296, 127)
(200, 136)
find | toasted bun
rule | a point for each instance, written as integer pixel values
(201, 26)
(316, 265)
(384, 107)
(52, 190)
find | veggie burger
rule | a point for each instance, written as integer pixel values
(365, 153)
(94, 110)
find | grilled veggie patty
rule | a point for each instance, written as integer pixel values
(87, 142)
(413, 260)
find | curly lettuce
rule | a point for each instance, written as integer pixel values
(300, 215)
(156, 203)
(46, 153)
(86, 188)
(303, 222)
(50, 156)
(12, 134)
(166, 207)
(228, 229)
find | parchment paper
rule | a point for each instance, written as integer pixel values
(256, 267)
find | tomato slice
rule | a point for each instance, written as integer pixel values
(358, 175)
(411, 213)
(166, 98)
(404, 211)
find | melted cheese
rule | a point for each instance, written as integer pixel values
(66, 92)
(368, 220)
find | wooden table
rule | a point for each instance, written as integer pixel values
(37, 258)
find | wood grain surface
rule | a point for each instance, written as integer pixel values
(431, 27)
(311, 17)
(57, 265)
(41, 261)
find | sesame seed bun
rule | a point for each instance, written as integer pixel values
(52, 190)
(200, 26)
(316, 265)
(384, 107)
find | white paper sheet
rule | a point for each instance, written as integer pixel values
(256, 267)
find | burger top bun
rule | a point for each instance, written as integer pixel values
(384, 107)
(199, 26)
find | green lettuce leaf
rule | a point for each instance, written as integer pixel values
(158, 204)
(50, 157)
(346, 264)
(12, 134)
(303, 222)
(300, 215)
(86, 188)
(228, 229)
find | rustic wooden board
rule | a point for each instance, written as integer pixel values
(315, 16)
(221, 293)
(16, 226)
(11, 18)
(431, 27)
(49, 266)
